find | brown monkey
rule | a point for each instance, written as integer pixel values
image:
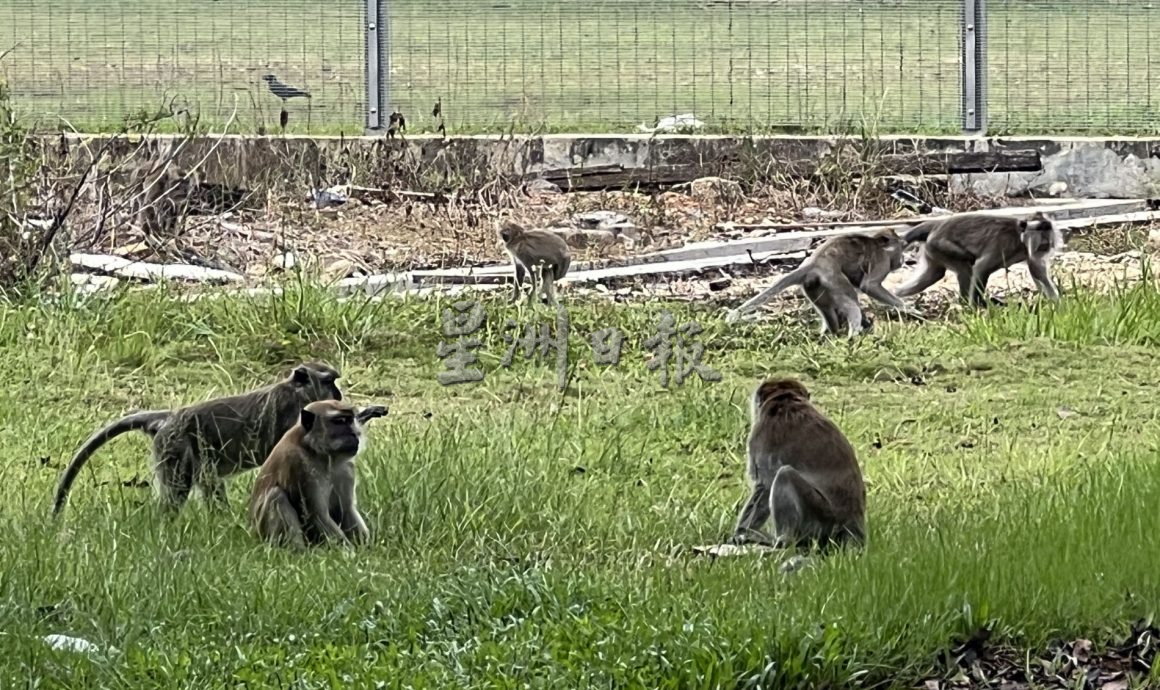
(206, 442)
(803, 471)
(832, 276)
(305, 490)
(975, 245)
(539, 253)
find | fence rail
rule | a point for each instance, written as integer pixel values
(603, 65)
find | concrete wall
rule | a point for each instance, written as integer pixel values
(1120, 167)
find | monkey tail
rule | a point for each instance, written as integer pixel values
(149, 422)
(918, 233)
(794, 277)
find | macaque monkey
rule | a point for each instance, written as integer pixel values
(305, 491)
(208, 441)
(832, 276)
(541, 254)
(975, 245)
(803, 472)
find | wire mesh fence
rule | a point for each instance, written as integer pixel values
(91, 63)
(1073, 65)
(734, 64)
(600, 65)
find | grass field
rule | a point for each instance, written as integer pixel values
(528, 538)
(605, 65)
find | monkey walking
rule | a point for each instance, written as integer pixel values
(543, 255)
(803, 471)
(832, 276)
(208, 441)
(975, 245)
(305, 490)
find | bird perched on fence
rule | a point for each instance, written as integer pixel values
(283, 91)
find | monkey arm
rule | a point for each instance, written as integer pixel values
(520, 272)
(753, 516)
(878, 292)
(346, 506)
(318, 513)
(1038, 271)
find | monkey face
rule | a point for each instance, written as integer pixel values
(510, 232)
(895, 248)
(317, 381)
(333, 426)
(1037, 234)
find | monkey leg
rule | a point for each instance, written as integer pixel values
(550, 285)
(831, 320)
(534, 273)
(975, 287)
(173, 473)
(801, 513)
(752, 517)
(928, 274)
(1042, 278)
(278, 522)
(816, 293)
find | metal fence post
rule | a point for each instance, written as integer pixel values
(974, 59)
(377, 60)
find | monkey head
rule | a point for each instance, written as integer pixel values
(510, 232)
(1038, 234)
(268, 77)
(315, 381)
(332, 429)
(893, 245)
(785, 390)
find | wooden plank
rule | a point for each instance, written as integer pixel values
(675, 268)
(1060, 212)
(962, 162)
(1135, 218)
(144, 270)
(599, 177)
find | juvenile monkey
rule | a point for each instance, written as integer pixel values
(541, 254)
(832, 276)
(975, 245)
(208, 441)
(305, 491)
(803, 471)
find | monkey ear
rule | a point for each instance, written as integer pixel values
(307, 419)
(300, 375)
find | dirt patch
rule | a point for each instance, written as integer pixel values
(373, 235)
(978, 663)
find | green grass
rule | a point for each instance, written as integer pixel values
(497, 562)
(600, 66)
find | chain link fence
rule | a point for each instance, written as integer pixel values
(596, 66)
